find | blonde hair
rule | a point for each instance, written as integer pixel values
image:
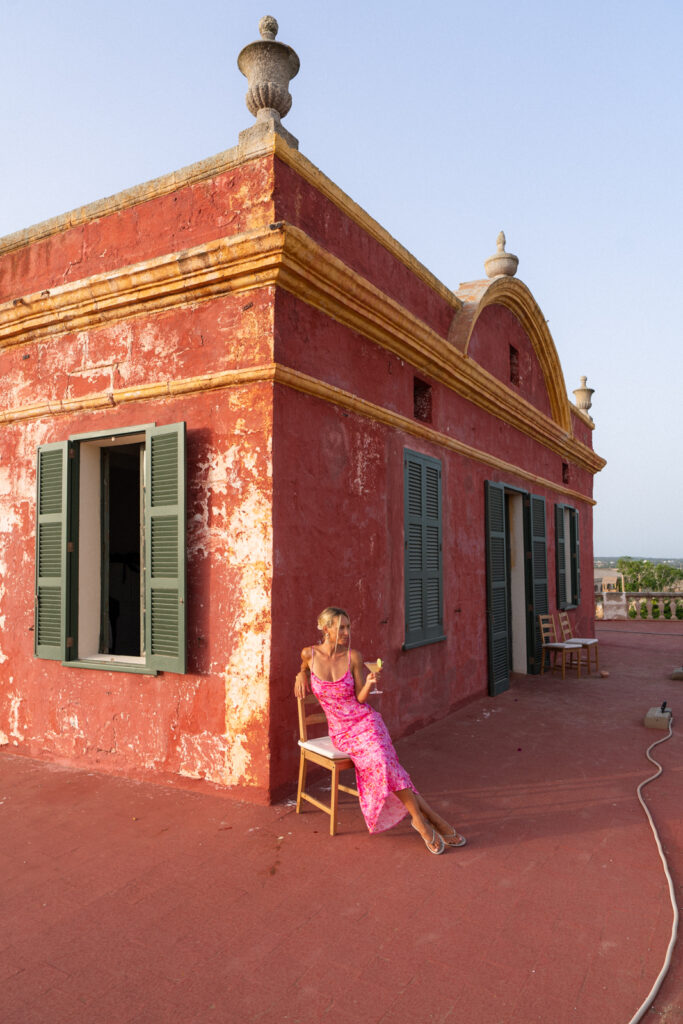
(327, 616)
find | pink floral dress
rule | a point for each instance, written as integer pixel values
(359, 731)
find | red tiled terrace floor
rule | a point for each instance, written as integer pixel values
(131, 902)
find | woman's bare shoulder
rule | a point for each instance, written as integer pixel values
(356, 658)
(306, 653)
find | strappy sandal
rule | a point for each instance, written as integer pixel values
(453, 838)
(436, 838)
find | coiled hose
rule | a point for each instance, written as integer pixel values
(672, 894)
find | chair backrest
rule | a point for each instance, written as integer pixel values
(547, 627)
(314, 717)
(565, 626)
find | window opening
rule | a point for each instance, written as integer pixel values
(110, 554)
(514, 365)
(422, 400)
(121, 628)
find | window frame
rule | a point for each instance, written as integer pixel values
(57, 582)
(422, 486)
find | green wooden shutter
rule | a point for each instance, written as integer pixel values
(51, 588)
(164, 540)
(539, 580)
(560, 562)
(497, 590)
(423, 550)
(575, 556)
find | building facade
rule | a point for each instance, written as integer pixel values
(229, 399)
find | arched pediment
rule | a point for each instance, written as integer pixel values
(505, 291)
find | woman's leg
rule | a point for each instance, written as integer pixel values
(440, 824)
(423, 824)
(425, 818)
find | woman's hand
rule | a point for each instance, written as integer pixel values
(363, 689)
(302, 684)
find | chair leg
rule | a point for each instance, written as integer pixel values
(334, 799)
(597, 658)
(302, 782)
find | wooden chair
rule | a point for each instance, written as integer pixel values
(586, 643)
(320, 750)
(557, 648)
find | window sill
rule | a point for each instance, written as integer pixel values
(113, 666)
(423, 643)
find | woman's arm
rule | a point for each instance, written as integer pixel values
(302, 683)
(362, 688)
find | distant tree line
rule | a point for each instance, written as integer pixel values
(642, 574)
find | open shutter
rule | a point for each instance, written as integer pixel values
(165, 599)
(560, 557)
(539, 580)
(433, 603)
(575, 557)
(51, 550)
(423, 550)
(496, 590)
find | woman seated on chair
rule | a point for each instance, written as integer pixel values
(334, 672)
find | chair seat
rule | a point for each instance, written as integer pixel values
(561, 645)
(323, 745)
(583, 640)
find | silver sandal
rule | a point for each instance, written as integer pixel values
(429, 842)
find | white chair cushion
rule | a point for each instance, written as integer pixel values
(582, 640)
(322, 745)
(561, 645)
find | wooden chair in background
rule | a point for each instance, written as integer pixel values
(586, 643)
(557, 648)
(321, 751)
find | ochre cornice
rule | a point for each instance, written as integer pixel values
(284, 256)
(315, 177)
(276, 373)
(271, 146)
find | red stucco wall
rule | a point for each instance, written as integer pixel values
(342, 476)
(212, 722)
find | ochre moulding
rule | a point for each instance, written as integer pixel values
(275, 373)
(283, 255)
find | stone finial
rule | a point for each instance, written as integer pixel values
(268, 27)
(501, 263)
(268, 67)
(583, 396)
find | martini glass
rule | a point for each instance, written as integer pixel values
(373, 666)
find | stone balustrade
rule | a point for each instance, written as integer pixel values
(644, 604)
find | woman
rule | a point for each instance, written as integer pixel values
(334, 673)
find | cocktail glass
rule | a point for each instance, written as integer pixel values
(374, 666)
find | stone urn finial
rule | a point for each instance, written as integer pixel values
(268, 67)
(501, 263)
(583, 396)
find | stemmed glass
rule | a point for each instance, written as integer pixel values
(376, 667)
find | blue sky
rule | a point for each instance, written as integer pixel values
(560, 124)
